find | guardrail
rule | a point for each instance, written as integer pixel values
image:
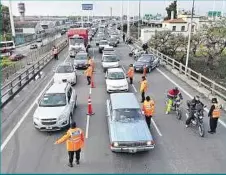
(202, 81)
(30, 58)
(9, 90)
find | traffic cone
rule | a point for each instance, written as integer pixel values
(89, 108)
(144, 71)
(92, 82)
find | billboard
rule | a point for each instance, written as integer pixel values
(214, 14)
(87, 6)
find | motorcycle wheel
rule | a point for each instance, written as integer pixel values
(201, 129)
(179, 114)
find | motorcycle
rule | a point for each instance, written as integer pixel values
(176, 106)
(197, 121)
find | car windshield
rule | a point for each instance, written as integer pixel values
(103, 43)
(127, 115)
(145, 59)
(110, 58)
(53, 100)
(116, 75)
(65, 69)
(81, 57)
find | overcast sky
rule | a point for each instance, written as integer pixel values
(102, 7)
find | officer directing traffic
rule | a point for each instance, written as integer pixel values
(130, 73)
(148, 108)
(143, 88)
(74, 142)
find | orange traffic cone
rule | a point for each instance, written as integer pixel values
(144, 71)
(92, 82)
(89, 108)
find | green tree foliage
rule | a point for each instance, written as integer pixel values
(5, 20)
(172, 7)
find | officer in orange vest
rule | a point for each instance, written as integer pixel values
(88, 73)
(130, 73)
(74, 141)
(214, 114)
(143, 88)
(91, 62)
(148, 108)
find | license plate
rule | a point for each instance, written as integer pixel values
(137, 69)
(134, 150)
(49, 127)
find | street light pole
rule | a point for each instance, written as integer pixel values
(122, 16)
(139, 22)
(189, 37)
(128, 20)
(11, 20)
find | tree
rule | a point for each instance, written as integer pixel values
(172, 7)
(5, 19)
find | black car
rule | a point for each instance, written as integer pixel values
(148, 60)
(113, 42)
(81, 60)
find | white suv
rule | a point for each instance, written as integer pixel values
(102, 45)
(55, 108)
(110, 61)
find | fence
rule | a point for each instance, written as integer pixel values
(202, 81)
(9, 90)
(30, 58)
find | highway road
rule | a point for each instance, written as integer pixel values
(178, 149)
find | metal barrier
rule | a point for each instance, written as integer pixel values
(30, 58)
(9, 90)
(202, 81)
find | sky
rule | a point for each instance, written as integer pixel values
(102, 7)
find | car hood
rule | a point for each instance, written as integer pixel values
(80, 61)
(138, 63)
(130, 131)
(63, 76)
(49, 112)
(120, 82)
(110, 63)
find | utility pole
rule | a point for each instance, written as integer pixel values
(189, 37)
(11, 20)
(128, 20)
(111, 12)
(139, 22)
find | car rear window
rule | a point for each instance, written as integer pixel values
(64, 69)
(53, 100)
(127, 115)
(110, 58)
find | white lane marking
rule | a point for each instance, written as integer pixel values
(90, 91)
(157, 129)
(87, 126)
(25, 115)
(124, 68)
(134, 88)
(189, 95)
(93, 54)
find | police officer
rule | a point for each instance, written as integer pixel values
(123, 36)
(74, 141)
(143, 88)
(130, 73)
(148, 108)
(214, 114)
(88, 73)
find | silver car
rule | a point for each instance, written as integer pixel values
(128, 130)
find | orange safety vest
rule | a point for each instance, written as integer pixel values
(216, 112)
(89, 71)
(144, 86)
(74, 139)
(130, 72)
(149, 107)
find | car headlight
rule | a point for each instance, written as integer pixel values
(149, 143)
(62, 117)
(115, 144)
(36, 118)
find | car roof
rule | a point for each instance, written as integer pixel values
(57, 88)
(65, 64)
(104, 40)
(115, 70)
(82, 53)
(118, 101)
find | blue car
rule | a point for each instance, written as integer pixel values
(128, 130)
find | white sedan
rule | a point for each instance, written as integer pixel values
(116, 80)
(65, 73)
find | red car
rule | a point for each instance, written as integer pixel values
(16, 57)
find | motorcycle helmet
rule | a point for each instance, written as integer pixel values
(214, 100)
(197, 98)
(176, 89)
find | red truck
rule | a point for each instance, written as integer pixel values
(82, 32)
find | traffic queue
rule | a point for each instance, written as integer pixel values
(60, 100)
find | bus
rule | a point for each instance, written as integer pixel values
(7, 47)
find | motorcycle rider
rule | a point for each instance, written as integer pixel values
(193, 105)
(172, 95)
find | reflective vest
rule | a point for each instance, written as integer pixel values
(89, 71)
(148, 108)
(216, 112)
(144, 86)
(130, 72)
(76, 140)
(90, 61)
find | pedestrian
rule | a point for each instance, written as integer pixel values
(148, 108)
(55, 52)
(145, 47)
(143, 88)
(74, 143)
(123, 36)
(88, 73)
(130, 73)
(214, 115)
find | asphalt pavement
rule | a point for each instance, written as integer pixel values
(178, 149)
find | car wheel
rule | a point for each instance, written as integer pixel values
(149, 69)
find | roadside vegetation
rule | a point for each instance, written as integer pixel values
(4, 62)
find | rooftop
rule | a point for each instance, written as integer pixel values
(178, 20)
(25, 24)
(57, 88)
